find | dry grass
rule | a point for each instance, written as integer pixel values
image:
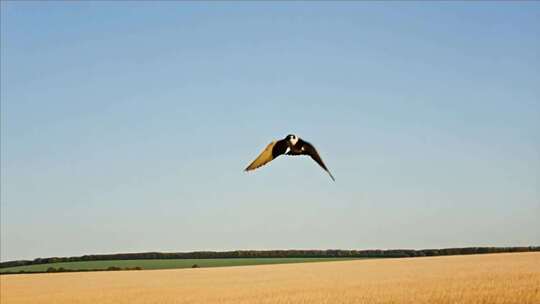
(493, 278)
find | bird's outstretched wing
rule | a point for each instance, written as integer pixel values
(273, 150)
(310, 150)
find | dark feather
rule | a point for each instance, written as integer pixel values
(279, 148)
(309, 149)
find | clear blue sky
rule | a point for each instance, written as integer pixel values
(126, 127)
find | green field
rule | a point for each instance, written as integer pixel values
(166, 263)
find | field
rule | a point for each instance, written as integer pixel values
(166, 263)
(489, 278)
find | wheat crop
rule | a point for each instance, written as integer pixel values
(490, 278)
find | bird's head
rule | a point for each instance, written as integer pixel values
(293, 139)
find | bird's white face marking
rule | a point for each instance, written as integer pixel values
(293, 139)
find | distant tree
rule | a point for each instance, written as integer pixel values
(330, 253)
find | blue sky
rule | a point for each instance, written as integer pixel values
(125, 126)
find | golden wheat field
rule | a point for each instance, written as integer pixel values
(491, 278)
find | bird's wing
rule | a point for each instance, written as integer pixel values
(273, 150)
(310, 150)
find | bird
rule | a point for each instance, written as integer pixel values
(290, 145)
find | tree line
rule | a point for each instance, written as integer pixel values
(330, 253)
(62, 269)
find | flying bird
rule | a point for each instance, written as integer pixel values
(290, 145)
